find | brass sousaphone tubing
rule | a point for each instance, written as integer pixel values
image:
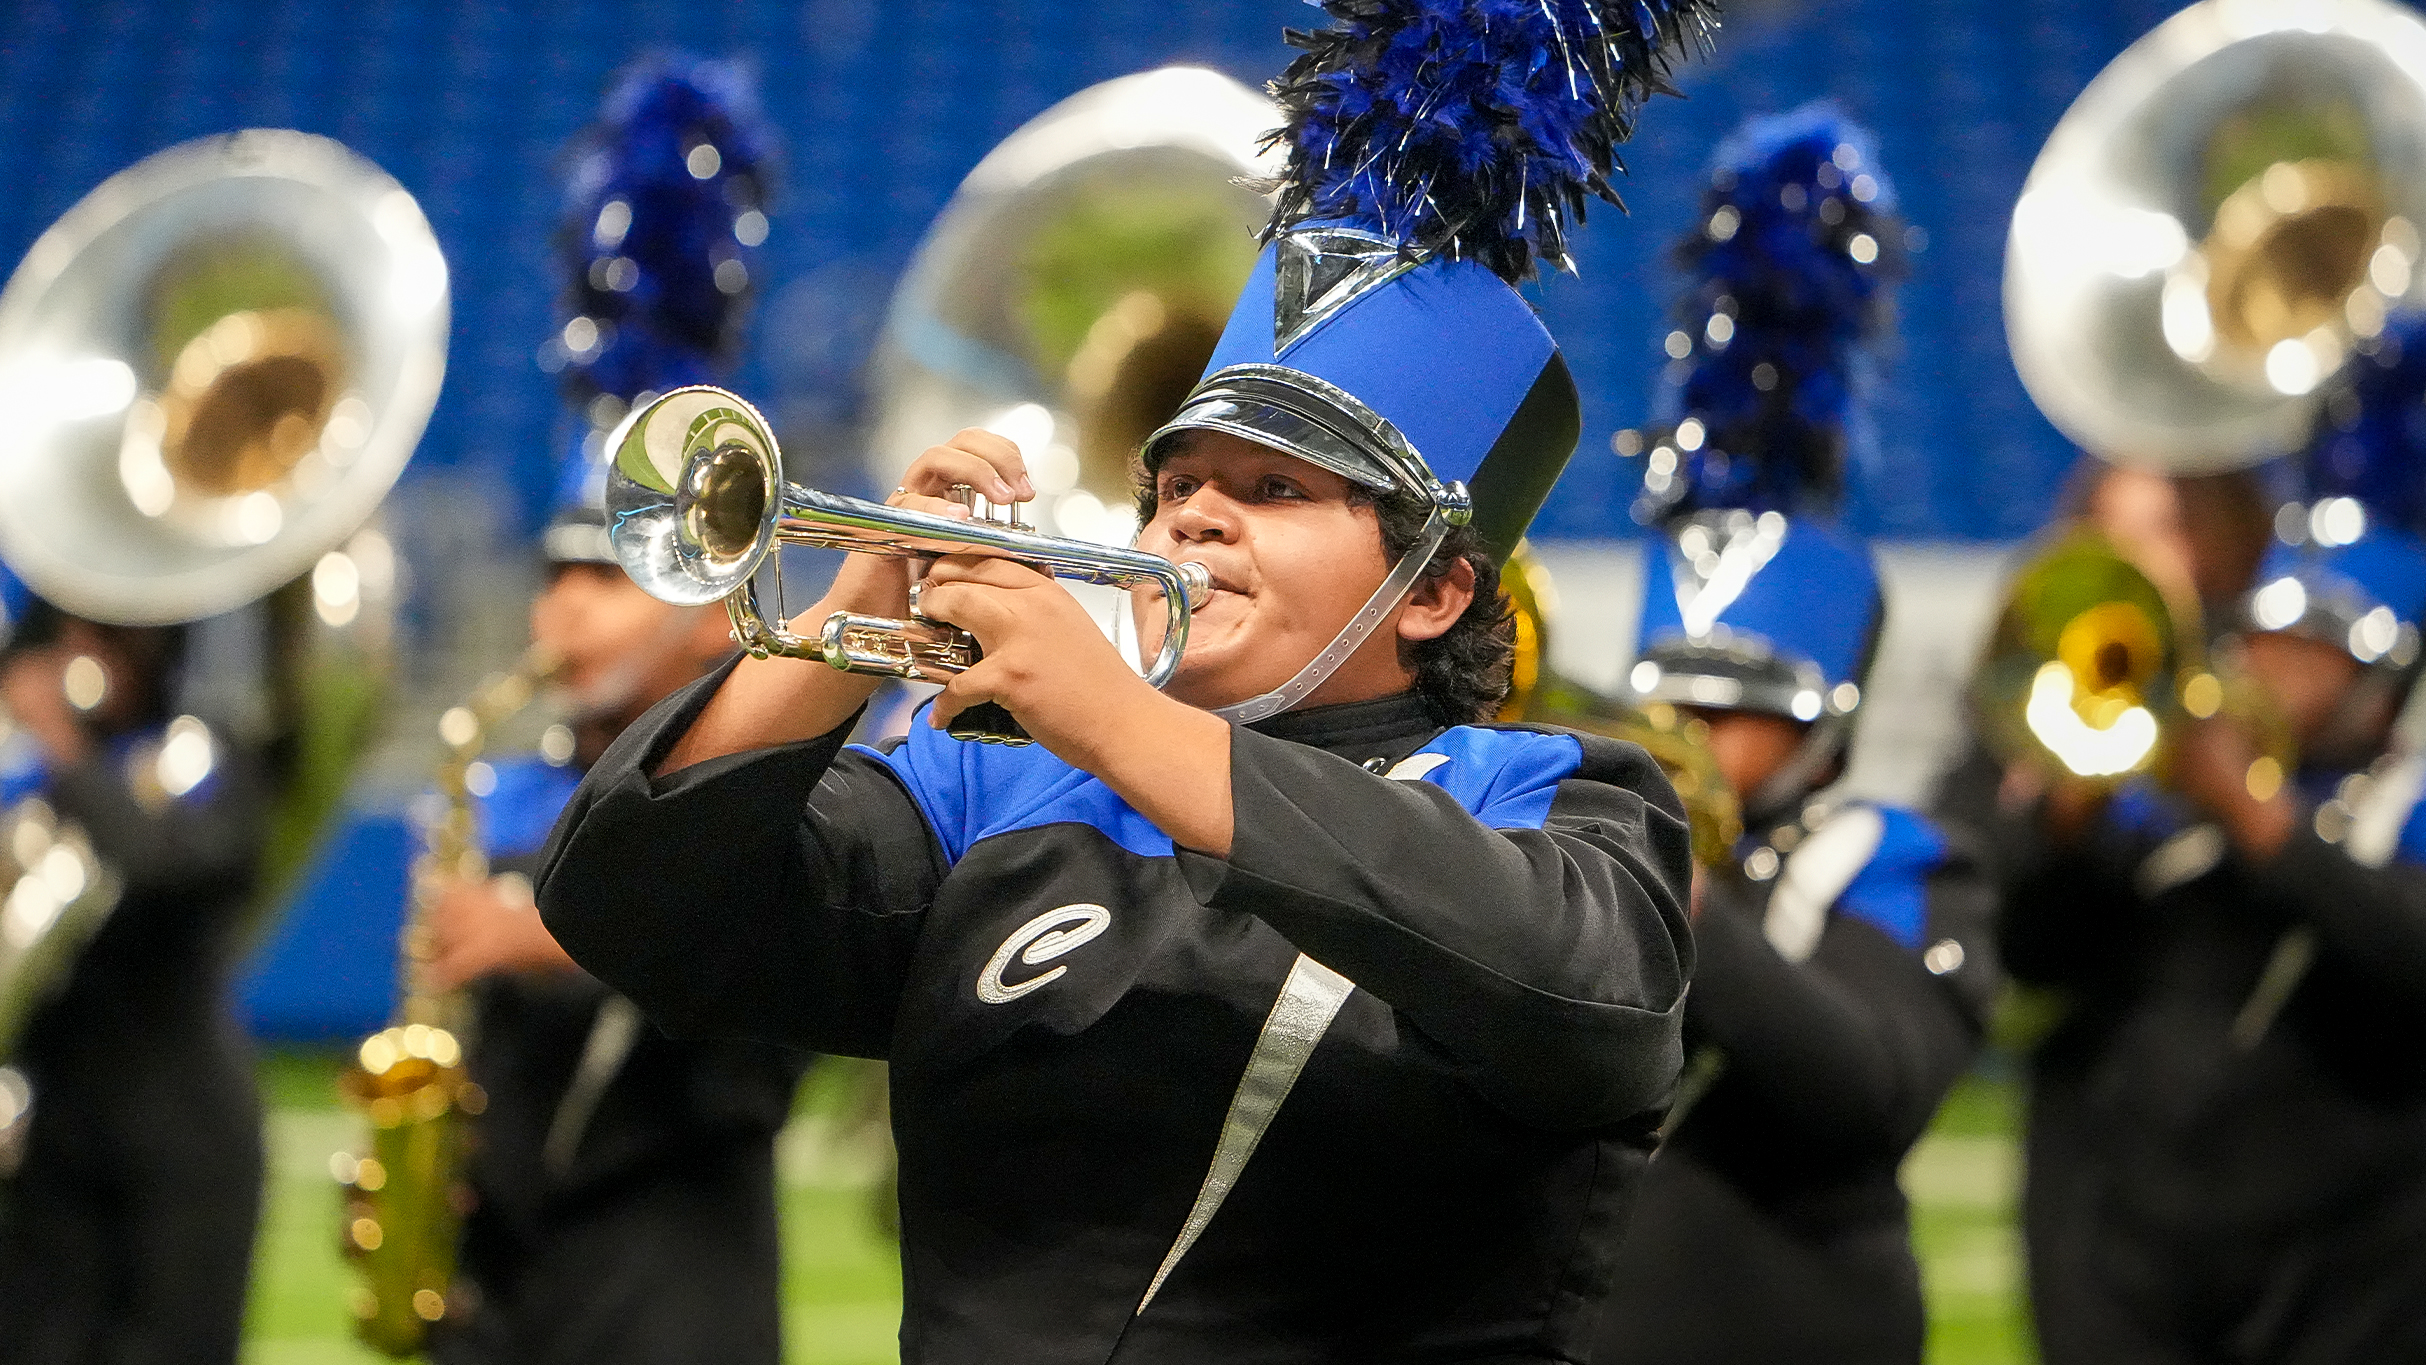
(697, 501)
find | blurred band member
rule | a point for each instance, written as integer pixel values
(2227, 1150)
(127, 1232)
(625, 1182)
(1842, 967)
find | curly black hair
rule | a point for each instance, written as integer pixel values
(1461, 674)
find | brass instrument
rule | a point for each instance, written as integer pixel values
(1070, 294)
(2222, 216)
(218, 362)
(403, 1199)
(698, 502)
(1680, 745)
(2218, 223)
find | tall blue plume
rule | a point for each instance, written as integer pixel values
(2370, 442)
(1791, 266)
(665, 203)
(1472, 129)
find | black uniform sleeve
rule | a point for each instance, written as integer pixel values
(2370, 919)
(1853, 1048)
(2066, 916)
(1549, 963)
(201, 844)
(774, 895)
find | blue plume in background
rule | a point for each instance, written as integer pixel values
(1474, 129)
(2370, 442)
(1792, 265)
(665, 201)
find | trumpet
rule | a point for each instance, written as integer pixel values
(697, 503)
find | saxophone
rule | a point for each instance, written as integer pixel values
(404, 1200)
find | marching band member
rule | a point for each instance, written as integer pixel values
(2228, 1136)
(1290, 1014)
(1842, 973)
(127, 1231)
(625, 1181)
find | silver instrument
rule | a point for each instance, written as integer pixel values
(216, 364)
(697, 502)
(1071, 292)
(2224, 214)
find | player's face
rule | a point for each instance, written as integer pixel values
(1749, 747)
(619, 646)
(1294, 552)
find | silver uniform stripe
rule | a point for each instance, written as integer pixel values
(1303, 1013)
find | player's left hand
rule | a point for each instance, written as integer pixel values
(1045, 659)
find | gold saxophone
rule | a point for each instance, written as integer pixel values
(403, 1200)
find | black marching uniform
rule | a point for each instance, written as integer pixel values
(2191, 1196)
(1134, 1122)
(1833, 1004)
(127, 1234)
(625, 1181)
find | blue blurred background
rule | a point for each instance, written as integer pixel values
(884, 104)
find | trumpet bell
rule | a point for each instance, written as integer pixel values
(2227, 212)
(215, 366)
(694, 484)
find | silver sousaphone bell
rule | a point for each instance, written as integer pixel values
(697, 502)
(2219, 221)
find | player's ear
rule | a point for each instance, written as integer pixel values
(1437, 602)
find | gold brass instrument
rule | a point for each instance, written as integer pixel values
(2223, 215)
(1679, 745)
(403, 1199)
(1071, 292)
(697, 501)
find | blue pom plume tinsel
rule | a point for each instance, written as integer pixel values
(1791, 266)
(1472, 129)
(665, 198)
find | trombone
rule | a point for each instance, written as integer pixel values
(697, 503)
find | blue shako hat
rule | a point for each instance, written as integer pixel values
(1755, 602)
(664, 211)
(2346, 565)
(1437, 152)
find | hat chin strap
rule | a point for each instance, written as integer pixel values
(1385, 599)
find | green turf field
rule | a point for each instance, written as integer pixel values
(842, 1291)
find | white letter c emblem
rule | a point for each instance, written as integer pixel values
(1048, 936)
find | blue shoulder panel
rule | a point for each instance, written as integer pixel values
(515, 817)
(972, 791)
(1506, 778)
(1891, 892)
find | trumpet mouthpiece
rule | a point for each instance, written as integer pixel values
(1199, 581)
